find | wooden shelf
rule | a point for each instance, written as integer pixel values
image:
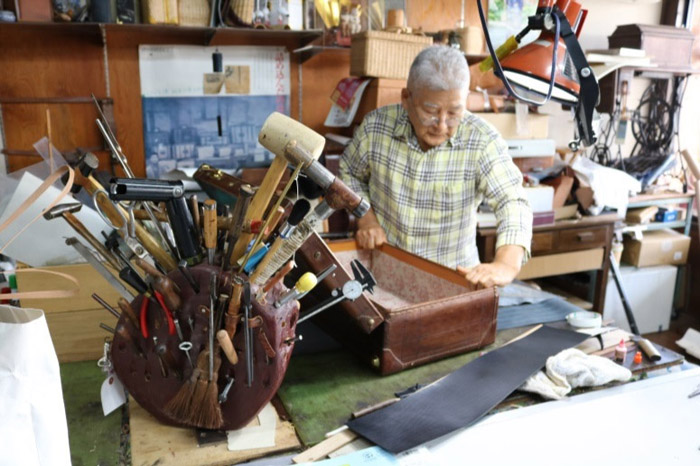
(309, 51)
(197, 35)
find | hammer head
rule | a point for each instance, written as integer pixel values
(62, 209)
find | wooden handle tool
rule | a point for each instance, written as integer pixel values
(210, 230)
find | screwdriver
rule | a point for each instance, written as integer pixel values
(305, 284)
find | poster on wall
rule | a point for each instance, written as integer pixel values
(193, 115)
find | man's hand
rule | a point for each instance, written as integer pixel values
(500, 272)
(369, 234)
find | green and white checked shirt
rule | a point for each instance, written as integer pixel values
(427, 201)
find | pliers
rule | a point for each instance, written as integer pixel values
(144, 314)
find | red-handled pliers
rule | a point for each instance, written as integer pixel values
(144, 311)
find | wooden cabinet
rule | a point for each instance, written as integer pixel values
(566, 247)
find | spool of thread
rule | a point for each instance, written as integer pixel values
(100, 11)
(395, 19)
(218, 61)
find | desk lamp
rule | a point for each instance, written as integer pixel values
(554, 66)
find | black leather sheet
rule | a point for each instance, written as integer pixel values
(465, 395)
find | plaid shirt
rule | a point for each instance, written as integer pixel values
(427, 201)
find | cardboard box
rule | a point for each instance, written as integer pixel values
(658, 247)
(641, 215)
(535, 126)
(540, 197)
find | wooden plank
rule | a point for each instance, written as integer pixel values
(322, 449)
(155, 443)
(90, 282)
(442, 14)
(320, 74)
(558, 264)
(77, 336)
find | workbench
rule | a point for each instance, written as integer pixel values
(567, 246)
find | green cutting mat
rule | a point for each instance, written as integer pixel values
(321, 390)
(94, 438)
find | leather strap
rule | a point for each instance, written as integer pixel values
(49, 181)
(465, 395)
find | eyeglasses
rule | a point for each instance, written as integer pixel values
(452, 119)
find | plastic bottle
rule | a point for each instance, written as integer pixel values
(620, 351)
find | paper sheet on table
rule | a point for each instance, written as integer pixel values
(43, 243)
(611, 187)
(691, 342)
(260, 436)
(337, 118)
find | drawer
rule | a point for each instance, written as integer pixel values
(542, 242)
(581, 238)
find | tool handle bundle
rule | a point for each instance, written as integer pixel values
(207, 340)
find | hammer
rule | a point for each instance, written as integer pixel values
(298, 144)
(277, 130)
(66, 211)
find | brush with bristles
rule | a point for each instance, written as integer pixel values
(299, 211)
(205, 409)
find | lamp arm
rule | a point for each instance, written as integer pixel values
(589, 92)
(498, 69)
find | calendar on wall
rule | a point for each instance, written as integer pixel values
(193, 114)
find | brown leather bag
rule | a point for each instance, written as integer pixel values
(420, 311)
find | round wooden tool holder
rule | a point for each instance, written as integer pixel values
(138, 366)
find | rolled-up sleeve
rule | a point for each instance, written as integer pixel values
(354, 163)
(501, 185)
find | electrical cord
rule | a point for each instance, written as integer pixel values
(499, 69)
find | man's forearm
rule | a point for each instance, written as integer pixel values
(367, 220)
(510, 255)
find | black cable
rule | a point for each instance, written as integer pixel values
(498, 69)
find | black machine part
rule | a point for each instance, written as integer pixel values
(170, 192)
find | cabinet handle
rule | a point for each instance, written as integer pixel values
(585, 236)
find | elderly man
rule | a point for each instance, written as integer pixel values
(426, 164)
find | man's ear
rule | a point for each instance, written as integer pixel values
(405, 94)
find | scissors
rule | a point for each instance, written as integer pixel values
(127, 227)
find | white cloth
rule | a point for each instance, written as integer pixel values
(611, 187)
(573, 368)
(33, 427)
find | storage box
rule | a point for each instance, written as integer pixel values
(541, 198)
(535, 126)
(665, 45)
(73, 322)
(656, 248)
(159, 11)
(379, 92)
(420, 311)
(666, 215)
(650, 291)
(385, 54)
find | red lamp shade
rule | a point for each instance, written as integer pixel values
(529, 68)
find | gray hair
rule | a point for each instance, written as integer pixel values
(439, 68)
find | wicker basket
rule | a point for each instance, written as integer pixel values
(159, 11)
(385, 54)
(193, 12)
(243, 9)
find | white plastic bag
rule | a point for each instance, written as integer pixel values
(33, 427)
